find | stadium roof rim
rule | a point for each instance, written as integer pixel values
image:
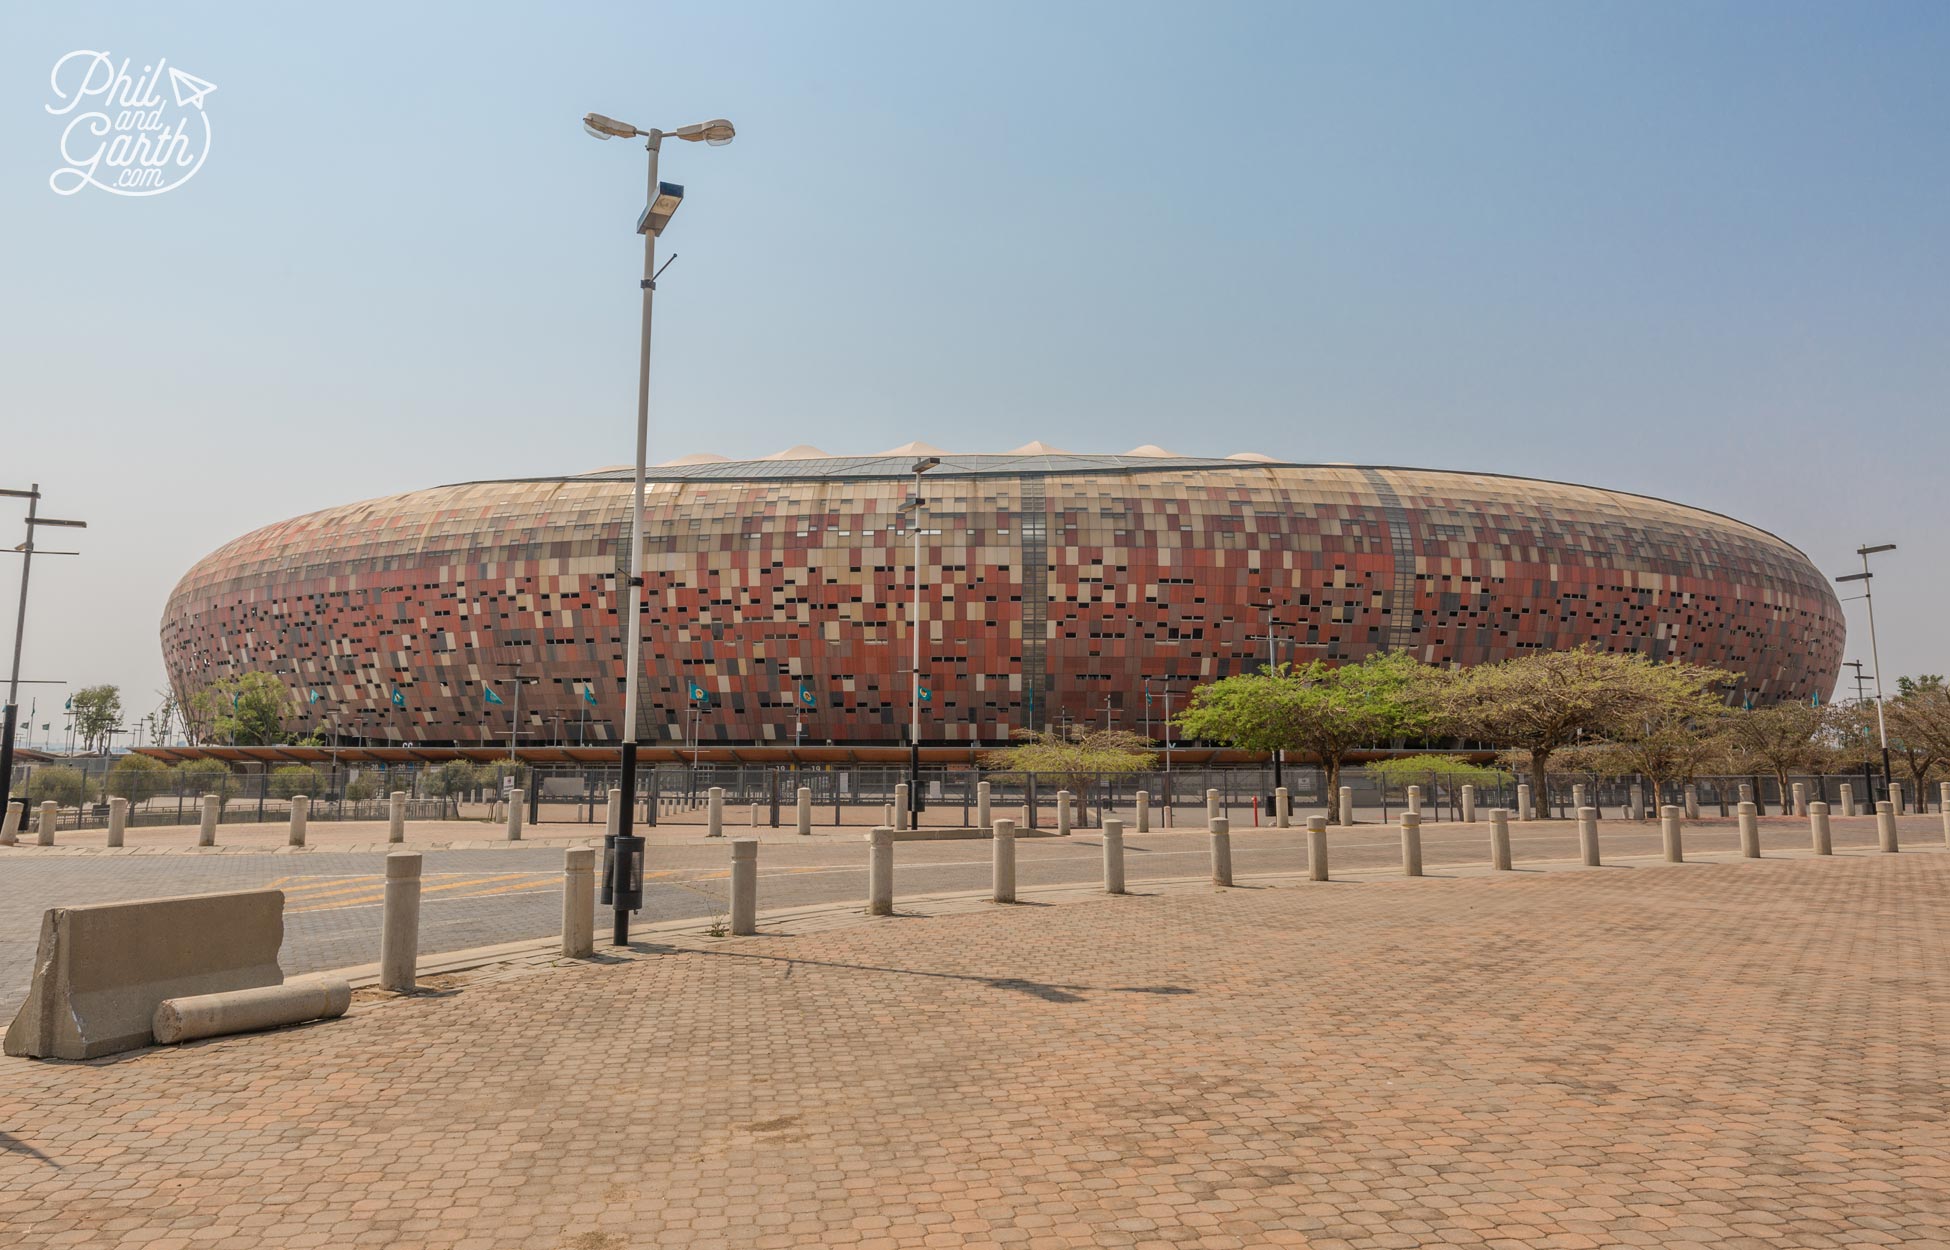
(860, 468)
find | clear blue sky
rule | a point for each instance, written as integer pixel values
(1698, 251)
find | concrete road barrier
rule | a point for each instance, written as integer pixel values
(1003, 862)
(246, 1011)
(1113, 856)
(744, 887)
(101, 970)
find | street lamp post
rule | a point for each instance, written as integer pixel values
(623, 865)
(912, 510)
(1875, 655)
(12, 711)
(1272, 670)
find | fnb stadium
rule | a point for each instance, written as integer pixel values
(1055, 588)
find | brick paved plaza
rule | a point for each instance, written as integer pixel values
(1746, 1054)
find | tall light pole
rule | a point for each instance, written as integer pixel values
(12, 712)
(1875, 655)
(912, 511)
(662, 200)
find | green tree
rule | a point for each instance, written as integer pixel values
(1669, 746)
(288, 780)
(206, 776)
(137, 777)
(361, 788)
(1327, 712)
(247, 710)
(455, 778)
(67, 787)
(1545, 702)
(1074, 760)
(1411, 770)
(97, 709)
(1779, 740)
(1919, 732)
(160, 720)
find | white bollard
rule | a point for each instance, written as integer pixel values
(1848, 799)
(1317, 848)
(714, 812)
(399, 932)
(1692, 802)
(1577, 796)
(887, 816)
(1886, 827)
(1818, 827)
(902, 811)
(1500, 839)
(1943, 805)
(1749, 829)
(1144, 811)
(1003, 862)
(1800, 799)
(1588, 835)
(579, 902)
(1063, 813)
(1746, 792)
(1221, 832)
(396, 817)
(515, 800)
(118, 819)
(1211, 806)
(880, 872)
(10, 823)
(803, 813)
(1670, 835)
(1415, 800)
(1114, 855)
(1411, 844)
(1347, 805)
(1523, 801)
(1638, 802)
(206, 832)
(1469, 805)
(300, 811)
(1282, 808)
(744, 887)
(613, 815)
(984, 819)
(50, 813)
(1896, 797)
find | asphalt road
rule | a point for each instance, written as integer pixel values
(482, 897)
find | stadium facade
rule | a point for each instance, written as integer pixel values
(1055, 588)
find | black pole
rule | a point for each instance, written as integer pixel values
(625, 821)
(7, 762)
(914, 783)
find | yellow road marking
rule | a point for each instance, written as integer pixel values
(369, 894)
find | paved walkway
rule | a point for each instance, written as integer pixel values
(1745, 1054)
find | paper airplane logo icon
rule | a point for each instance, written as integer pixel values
(189, 89)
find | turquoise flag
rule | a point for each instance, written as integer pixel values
(927, 696)
(491, 696)
(589, 694)
(806, 696)
(697, 693)
(399, 700)
(315, 696)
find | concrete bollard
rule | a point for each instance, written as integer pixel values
(1003, 862)
(1800, 799)
(399, 933)
(1746, 792)
(1062, 813)
(880, 872)
(118, 819)
(1749, 829)
(1317, 848)
(516, 800)
(10, 823)
(1692, 802)
(1221, 850)
(1500, 839)
(1638, 802)
(744, 887)
(1818, 828)
(1588, 835)
(887, 815)
(1144, 811)
(1577, 796)
(1415, 800)
(714, 812)
(1282, 808)
(1848, 799)
(1469, 805)
(1212, 809)
(902, 811)
(245, 1011)
(1113, 856)
(1896, 797)
(50, 813)
(206, 830)
(983, 818)
(300, 811)
(1411, 845)
(1669, 834)
(1523, 801)
(1347, 805)
(804, 813)
(396, 817)
(1943, 805)
(613, 816)
(579, 902)
(1886, 826)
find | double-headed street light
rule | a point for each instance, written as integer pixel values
(623, 854)
(12, 712)
(912, 511)
(1875, 657)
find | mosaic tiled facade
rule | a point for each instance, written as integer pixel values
(1052, 588)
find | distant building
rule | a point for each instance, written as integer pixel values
(1053, 586)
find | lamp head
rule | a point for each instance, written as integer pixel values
(608, 127)
(925, 463)
(1869, 551)
(717, 132)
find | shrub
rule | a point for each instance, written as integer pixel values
(138, 777)
(290, 779)
(67, 787)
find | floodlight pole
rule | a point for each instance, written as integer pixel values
(913, 508)
(11, 713)
(1875, 656)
